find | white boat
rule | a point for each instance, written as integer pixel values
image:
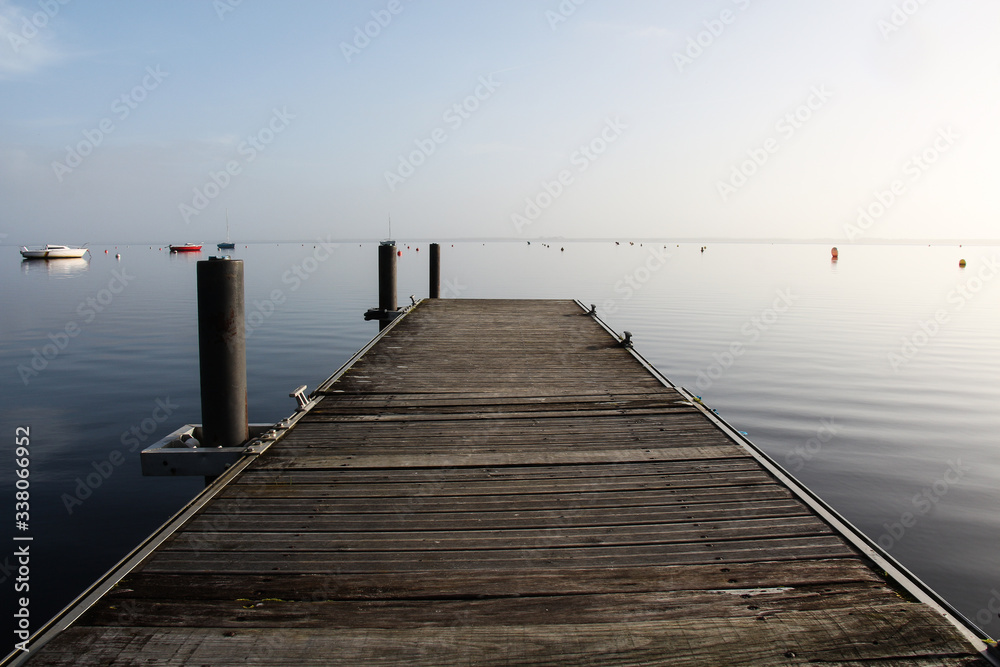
(53, 252)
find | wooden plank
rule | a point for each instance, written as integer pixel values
(510, 559)
(554, 537)
(496, 458)
(488, 583)
(342, 486)
(586, 471)
(589, 608)
(452, 418)
(565, 502)
(246, 517)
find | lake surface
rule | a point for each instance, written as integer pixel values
(874, 379)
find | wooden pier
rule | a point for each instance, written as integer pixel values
(500, 483)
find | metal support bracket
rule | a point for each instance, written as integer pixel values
(300, 396)
(181, 453)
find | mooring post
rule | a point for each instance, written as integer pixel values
(435, 288)
(386, 279)
(222, 352)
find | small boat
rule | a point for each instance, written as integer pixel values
(187, 247)
(228, 244)
(53, 252)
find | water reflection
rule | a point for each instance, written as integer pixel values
(186, 257)
(55, 268)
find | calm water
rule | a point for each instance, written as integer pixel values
(874, 379)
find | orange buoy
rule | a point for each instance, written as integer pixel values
(399, 253)
(834, 253)
(961, 263)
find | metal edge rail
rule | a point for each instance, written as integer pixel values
(323, 386)
(75, 609)
(892, 568)
(635, 353)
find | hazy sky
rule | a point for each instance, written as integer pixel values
(145, 121)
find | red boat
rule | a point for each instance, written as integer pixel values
(187, 247)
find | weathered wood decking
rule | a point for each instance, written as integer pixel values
(496, 483)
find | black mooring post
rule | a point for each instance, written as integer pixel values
(386, 279)
(435, 287)
(222, 349)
